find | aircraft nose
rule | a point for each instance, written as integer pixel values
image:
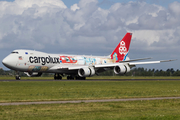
(4, 62)
(7, 62)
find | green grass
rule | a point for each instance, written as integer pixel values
(82, 90)
(78, 90)
(134, 77)
(132, 110)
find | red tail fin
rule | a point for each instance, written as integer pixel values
(122, 49)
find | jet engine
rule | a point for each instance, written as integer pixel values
(33, 74)
(121, 69)
(86, 72)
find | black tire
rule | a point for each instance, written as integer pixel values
(18, 78)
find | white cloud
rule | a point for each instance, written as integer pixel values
(19, 6)
(151, 37)
(175, 8)
(74, 7)
(40, 3)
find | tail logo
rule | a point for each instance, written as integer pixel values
(122, 48)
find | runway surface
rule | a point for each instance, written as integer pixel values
(86, 101)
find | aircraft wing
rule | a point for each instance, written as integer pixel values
(149, 62)
(110, 65)
(73, 67)
(131, 64)
(77, 67)
(134, 60)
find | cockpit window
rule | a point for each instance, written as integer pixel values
(14, 52)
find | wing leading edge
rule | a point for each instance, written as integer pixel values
(149, 62)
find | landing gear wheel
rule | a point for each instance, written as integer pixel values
(80, 78)
(70, 77)
(57, 77)
(18, 77)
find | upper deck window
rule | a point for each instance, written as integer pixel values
(14, 52)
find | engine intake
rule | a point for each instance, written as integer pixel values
(121, 69)
(86, 72)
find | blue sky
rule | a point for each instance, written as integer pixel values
(91, 28)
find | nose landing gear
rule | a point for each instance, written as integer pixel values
(17, 77)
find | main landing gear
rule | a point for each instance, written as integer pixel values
(57, 77)
(75, 78)
(80, 78)
(69, 77)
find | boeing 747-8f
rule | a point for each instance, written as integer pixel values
(34, 63)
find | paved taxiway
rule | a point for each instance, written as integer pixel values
(86, 101)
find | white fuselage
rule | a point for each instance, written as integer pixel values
(34, 61)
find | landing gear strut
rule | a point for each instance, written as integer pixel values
(57, 77)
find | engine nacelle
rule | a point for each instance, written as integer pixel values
(86, 72)
(121, 69)
(33, 74)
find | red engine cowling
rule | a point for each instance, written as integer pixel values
(121, 69)
(86, 72)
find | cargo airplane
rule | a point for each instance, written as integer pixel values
(34, 63)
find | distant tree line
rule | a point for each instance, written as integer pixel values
(134, 72)
(145, 72)
(22, 74)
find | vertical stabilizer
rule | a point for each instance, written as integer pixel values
(121, 51)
